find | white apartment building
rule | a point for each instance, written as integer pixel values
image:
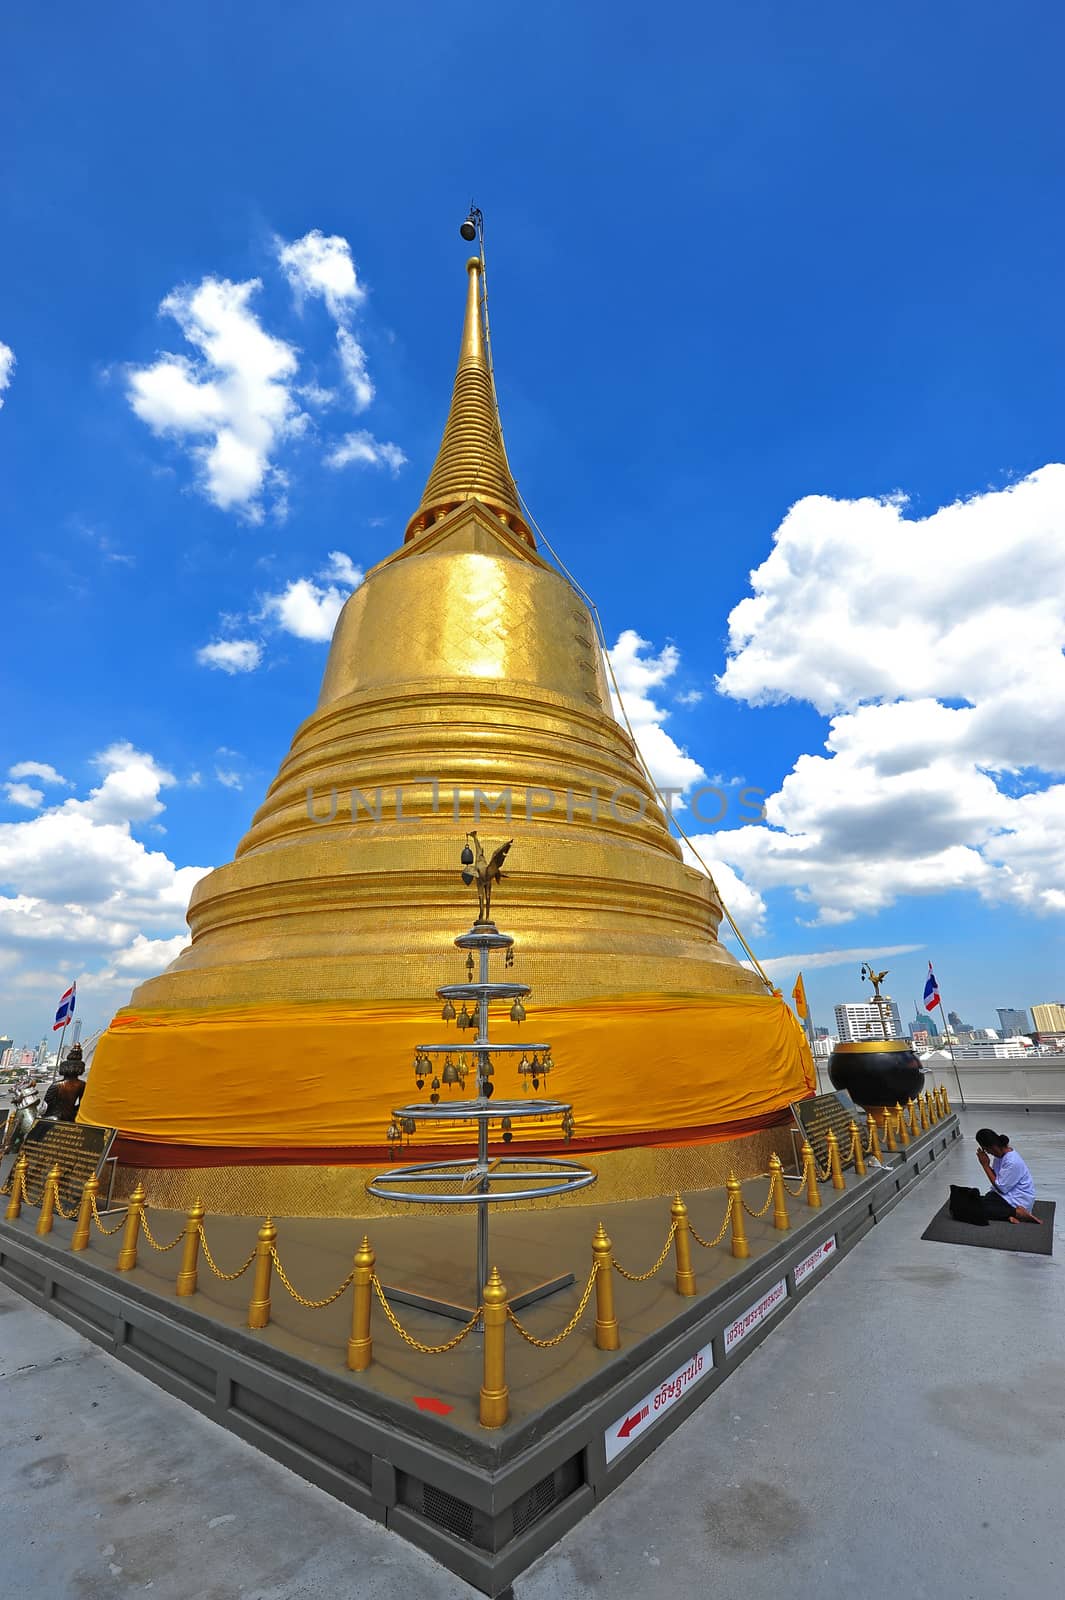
(862, 1021)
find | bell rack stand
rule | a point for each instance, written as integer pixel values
(478, 1180)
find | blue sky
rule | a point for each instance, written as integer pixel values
(743, 259)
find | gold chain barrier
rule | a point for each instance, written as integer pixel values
(549, 1344)
(642, 1277)
(225, 1277)
(310, 1305)
(409, 1339)
(709, 1244)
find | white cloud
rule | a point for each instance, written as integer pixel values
(363, 448)
(305, 609)
(23, 794)
(143, 958)
(228, 778)
(343, 569)
(236, 394)
(7, 367)
(914, 796)
(320, 264)
(807, 960)
(353, 366)
(39, 769)
(77, 889)
(637, 673)
(231, 655)
(690, 697)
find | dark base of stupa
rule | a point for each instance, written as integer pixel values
(485, 1503)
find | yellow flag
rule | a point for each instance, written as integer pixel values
(798, 994)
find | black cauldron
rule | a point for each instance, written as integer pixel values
(877, 1072)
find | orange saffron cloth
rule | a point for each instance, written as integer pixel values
(326, 1075)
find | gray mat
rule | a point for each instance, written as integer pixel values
(1024, 1236)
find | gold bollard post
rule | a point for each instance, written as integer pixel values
(856, 1146)
(83, 1226)
(875, 1152)
(937, 1096)
(835, 1170)
(44, 1221)
(607, 1336)
(684, 1281)
(259, 1304)
(922, 1101)
(946, 1099)
(360, 1345)
(903, 1130)
(495, 1396)
(740, 1248)
(889, 1130)
(809, 1167)
(915, 1117)
(188, 1272)
(18, 1179)
(127, 1256)
(780, 1204)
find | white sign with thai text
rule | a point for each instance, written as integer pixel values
(639, 1417)
(757, 1313)
(815, 1259)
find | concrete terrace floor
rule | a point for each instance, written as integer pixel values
(904, 1425)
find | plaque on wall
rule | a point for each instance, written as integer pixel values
(78, 1150)
(816, 1116)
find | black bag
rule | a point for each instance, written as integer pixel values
(966, 1205)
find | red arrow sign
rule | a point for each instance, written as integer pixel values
(428, 1402)
(632, 1422)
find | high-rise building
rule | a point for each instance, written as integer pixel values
(1049, 1018)
(957, 1025)
(6, 1042)
(862, 1020)
(922, 1022)
(1011, 1020)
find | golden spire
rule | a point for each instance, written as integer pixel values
(472, 461)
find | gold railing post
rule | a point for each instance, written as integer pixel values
(875, 1152)
(127, 1256)
(809, 1168)
(889, 1130)
(903, 1130)
(18, 1179)
(495, 1396)
(835, 1171)
(682, 1244)
(360, 1345)
(607, 1336)
(946, 1099)
(930, 1117)
(780, 1204)
(188, 1272)
(740, 1247)
(915, 1117)
(44, 1221)
(259, 1304)
(83, 1226)
(921, 1104)
(856, 1147)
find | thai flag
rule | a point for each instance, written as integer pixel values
(931, 991)
(66, 1009)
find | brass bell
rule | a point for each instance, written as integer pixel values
(435, 1084)
(468, 230)
(467, 854)
(567, 1126)
(464, 1018)
(409, 1126)
(448, 1012)
(517, 1012)
(469, 966)
(549, 1061)
(450, 1073)
(507, 1130)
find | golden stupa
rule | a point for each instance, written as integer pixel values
(464, 673)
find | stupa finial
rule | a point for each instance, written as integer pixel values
(472, 460)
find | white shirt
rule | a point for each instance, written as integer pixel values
(1013, 1180)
